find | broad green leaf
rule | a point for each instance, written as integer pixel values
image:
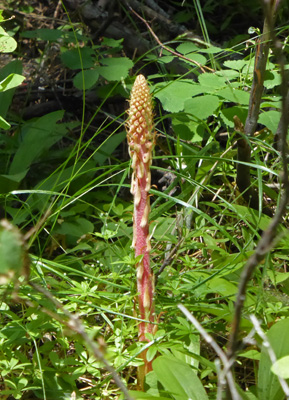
(235, 64)
(272, 79)
(14, 67)
(115, 69)
(234, 95)
(211, 50)
(270, 119)
(189, 130)
(43, 34)
(7, 43)
(222, 286)
(229, 113)
(78, 58)
(77, 227)
(179, 379)
(37, 136)
(187, 47)
(211, 81)
(281, 367)
(268, 385)
(199, 58)
(108, 147)
(11, 81)
(174, 94)
(90, 77)
(202, 107)
(11, 182)
(112, 42)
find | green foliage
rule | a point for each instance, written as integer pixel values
(268, 384)
(64, 183)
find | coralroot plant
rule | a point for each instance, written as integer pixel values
(140, 138)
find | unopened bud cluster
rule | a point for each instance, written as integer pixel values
(140, 138)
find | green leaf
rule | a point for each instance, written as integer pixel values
(235, 64)
(187, 47)
(268, 385)
(212, 50)
(7, 43)
(90, 77)
(189, 130)
(272, 79)
(115, 69)
(202, 106)
(174, 94)
(281, 367)
(11, 81)
(37, 136)
(179, 379)
(4, 124)
(211, 81)
(72, 58)
(43, 34)
(234, 95)
(77, 227)
(270, 119)
(229, 113)
(14, 67)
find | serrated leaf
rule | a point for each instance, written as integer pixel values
(174, 94)
(115, 69)
(179, 379)
(235, 64)
(202, 107)
(89, 76)
(270, 119)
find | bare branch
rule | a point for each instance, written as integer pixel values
(268, 237)
(202, 67)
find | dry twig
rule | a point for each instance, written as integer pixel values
(202, 67)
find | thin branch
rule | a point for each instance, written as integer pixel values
(76, 325)
(268, 237)
(270, 351)
(227, 363)
(202, 67)
(168, 259)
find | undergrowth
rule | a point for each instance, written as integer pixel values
(65, 179)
